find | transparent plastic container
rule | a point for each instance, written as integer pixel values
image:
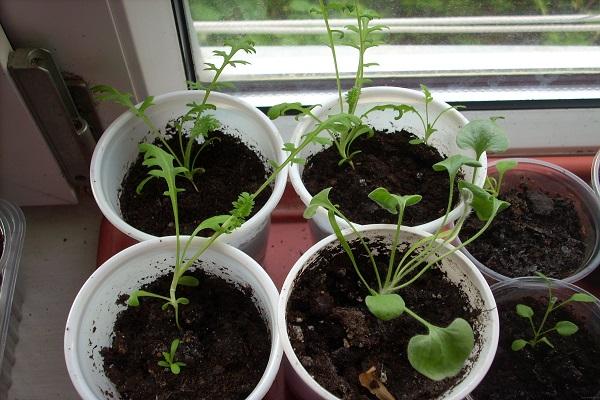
(519, 288)
(555, 179)
(596, 173)
(12, 225)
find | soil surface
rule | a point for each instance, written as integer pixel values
(225, 344)
(570, 371)
(539, 232)
(230, 169)
(385, 160)
(336, 338)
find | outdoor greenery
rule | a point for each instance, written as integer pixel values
(242, 10)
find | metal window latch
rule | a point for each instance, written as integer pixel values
(67, 134)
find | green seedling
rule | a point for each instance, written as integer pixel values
(345, 127)
(563, 328)
(493, 185)
(169, 359)
(196, 124)
(428, 125)
(481, 136)
(444, 350)
(162, 165)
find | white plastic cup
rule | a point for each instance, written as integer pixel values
(596, 173)
(94, 311)
(444, 140)
(458, 269)
(117, 149)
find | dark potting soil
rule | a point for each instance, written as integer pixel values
(336, 338)
(569, 371)
(230, 167)
(385, 160)
(225, 344)
(539, 232)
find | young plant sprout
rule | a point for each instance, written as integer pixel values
(482, 135)
(493, 185)
(161, 165)
(443, 351)
(428, 127)
(362, 37)
(195, 124)
(563, 328)
(169, 362)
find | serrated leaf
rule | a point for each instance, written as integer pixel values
(518, 344)
(322, 140)
(385, 306)
(443, 352)
(481, 136)
(187, 280)
(524, 311)
(566, 328)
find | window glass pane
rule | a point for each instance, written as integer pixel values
(545, 49)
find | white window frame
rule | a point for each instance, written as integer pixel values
(557, 131)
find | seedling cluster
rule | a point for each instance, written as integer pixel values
(563, 328)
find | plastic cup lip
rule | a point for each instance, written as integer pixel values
(589, 199)
(220, 99)
(371, 95)
(469, 384)
(596, 174)
(94, 284)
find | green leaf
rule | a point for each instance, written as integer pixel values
(174, 346)
(481, 136)
(175, 368)
(416, 141)
(518, 344)
(524, 311)
(443, 352)
(321, 199)
(427, 94)
(453, 164)
(385, 306)
(583, 298)
(546, 341)
(187, 280)
(400, 109)
(183, 300)
(279, 110)
(393, 202)
(164, 364)
(566, 328)
(504, 166)
(484, 204)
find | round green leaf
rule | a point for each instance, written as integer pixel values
(443, 352)
(518, 344)
(482, 135)
(385, 306)
(524, 311)
(175, 368)
(566, 328)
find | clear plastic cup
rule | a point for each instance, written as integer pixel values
(12, 226)
(596, 173)
(555, 179)
(519, 288)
